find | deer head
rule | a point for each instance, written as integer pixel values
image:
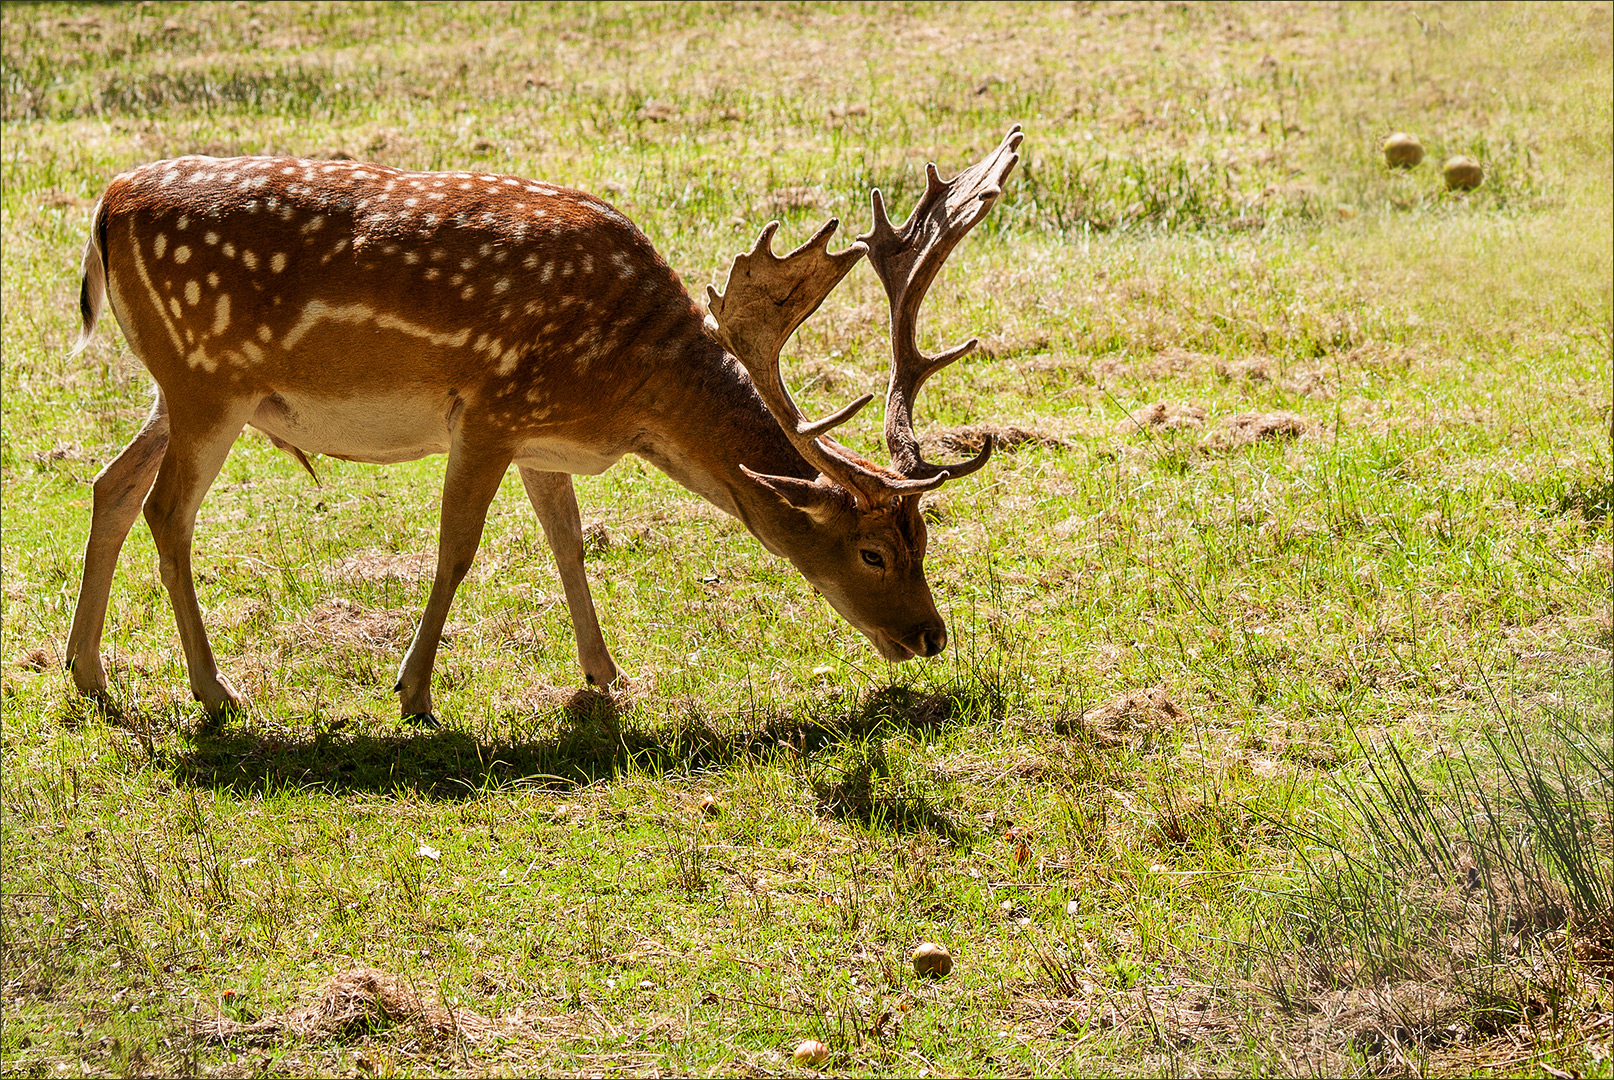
(859, 535)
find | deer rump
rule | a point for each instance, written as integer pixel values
(379, 315)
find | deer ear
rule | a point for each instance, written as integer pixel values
(820, 499)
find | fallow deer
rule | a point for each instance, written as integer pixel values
(379, 315)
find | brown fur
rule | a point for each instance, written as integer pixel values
(366, 312)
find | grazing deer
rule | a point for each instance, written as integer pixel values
(379, 315)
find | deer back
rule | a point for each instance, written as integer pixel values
(262, 275)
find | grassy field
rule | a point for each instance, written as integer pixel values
(1273, 733)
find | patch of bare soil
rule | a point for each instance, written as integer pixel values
(361, 1001)
(1007, 438)
(1243, 429)
(374, 567)
(1262, 370)
(1136, 714)
(1163, 417)
(1394, 1015)
(38, 658)
(1157, 366)
(62, 451)
(1181, 1015)
(58, 199)
(782, 200)
(339, 621)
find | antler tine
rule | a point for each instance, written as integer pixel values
(907, 260)
(764, 300)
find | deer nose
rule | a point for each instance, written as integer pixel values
(931, 640)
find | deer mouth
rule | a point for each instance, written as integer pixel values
(890, 648)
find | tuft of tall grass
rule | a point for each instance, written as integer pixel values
(1485, 878)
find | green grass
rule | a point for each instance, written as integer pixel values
(1361, 827)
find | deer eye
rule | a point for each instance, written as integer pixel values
(873, 558)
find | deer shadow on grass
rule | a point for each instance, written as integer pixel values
(597, 740)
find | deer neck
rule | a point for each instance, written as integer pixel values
(709, 421)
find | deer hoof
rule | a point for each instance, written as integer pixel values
(425, 720)
(89, 677)
(221, 700)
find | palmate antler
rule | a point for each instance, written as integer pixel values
(907, 261)
(767, 297)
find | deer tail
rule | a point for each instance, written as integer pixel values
(92, 292)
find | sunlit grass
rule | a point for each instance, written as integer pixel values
(1411, 573)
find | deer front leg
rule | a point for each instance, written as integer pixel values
(119, 491)
(468, 488)
(555, 500)
(195, 455)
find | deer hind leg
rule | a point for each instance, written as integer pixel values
(472, 480)
(555, 500)
(119, 492)
(195, 455)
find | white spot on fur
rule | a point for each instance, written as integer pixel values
(221, 314)
(467, 292)
(316, 311)
(159, 245)
(173, 305)
(265, 334)
(212, 279)
(199, 358)
(229, 250)
(182, 254)
(193, 292)
(277, 262)
(249, 260)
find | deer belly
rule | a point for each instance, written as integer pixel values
(378, 428)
